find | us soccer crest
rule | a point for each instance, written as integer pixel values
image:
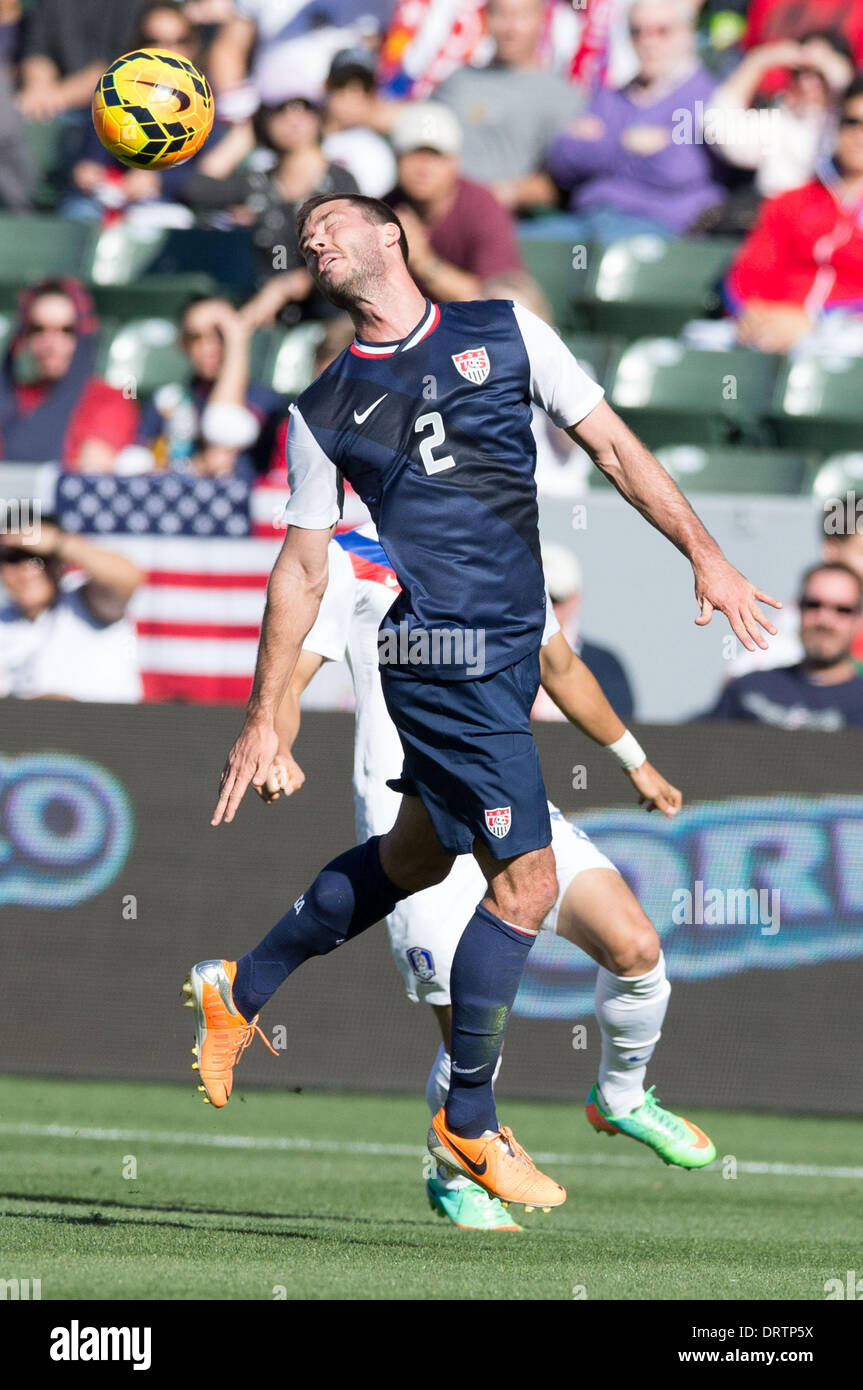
(499, 821)
(473, 365)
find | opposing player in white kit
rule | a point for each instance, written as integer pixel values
(595, 909)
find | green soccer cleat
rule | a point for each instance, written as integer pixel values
(470, 1208)
(675, 1140)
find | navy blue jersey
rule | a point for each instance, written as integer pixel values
(433, 432)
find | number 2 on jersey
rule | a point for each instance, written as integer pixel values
(431, 464)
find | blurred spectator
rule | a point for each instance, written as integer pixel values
(620, 164)
(17, 172)
(210, 11)
(824, 690)
(426, 41)
(66, 48)
(562, 466)
(268, 199)
(259, 53)
(457, 231)
(802, 264)
(338, 334)
(53, 408)
(509, 110)
(63, 636)
(782, 143)
(218, 422)
(563, 580)
(771, 21)
(351, 116)
(102, 187)
(10, 30)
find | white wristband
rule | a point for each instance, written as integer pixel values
(628, 751)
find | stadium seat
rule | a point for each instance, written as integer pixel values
(818, 404)
(288, 365)
(156, 296)
(44, 141)
(645, 284)
(595, 352)
(145, 353)
(837, 476)
(122, 253)
(34, 247)
(735, 470)
(550, 262)
(671, 394)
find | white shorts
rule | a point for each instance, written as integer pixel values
(425, 929)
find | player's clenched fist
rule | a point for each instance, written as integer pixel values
(249, 760)
(284, 777)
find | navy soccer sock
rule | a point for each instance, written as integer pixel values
(486, 970)
(350, 894)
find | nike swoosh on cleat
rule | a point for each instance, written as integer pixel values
(366, 413)
(478, 1168)
(701, 1139)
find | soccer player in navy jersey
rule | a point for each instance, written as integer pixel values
(427, 414)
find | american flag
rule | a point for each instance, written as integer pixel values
(207, 546)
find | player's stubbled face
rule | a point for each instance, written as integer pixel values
(829, 617)
(342, 251)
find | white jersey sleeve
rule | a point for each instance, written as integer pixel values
(331, 629)
(551, 624)
(557, 383)
(312, 477)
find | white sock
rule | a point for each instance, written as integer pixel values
(437, 1088)
(630, 1012)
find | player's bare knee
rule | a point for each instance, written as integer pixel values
(639, 954)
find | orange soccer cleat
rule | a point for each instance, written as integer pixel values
(221, 1032)
(498, 1163)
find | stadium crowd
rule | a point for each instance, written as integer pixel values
(501, 131)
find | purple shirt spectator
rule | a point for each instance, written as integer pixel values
(633, 164)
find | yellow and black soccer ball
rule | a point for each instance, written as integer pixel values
(153, 109)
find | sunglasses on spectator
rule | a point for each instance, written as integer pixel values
(648, 31)
(35, 330)
(811, 605)
(851, 121)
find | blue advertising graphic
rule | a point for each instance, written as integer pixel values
(65, 830)
(745, 884)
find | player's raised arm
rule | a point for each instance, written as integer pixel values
(294, 592)
(576, 691)
(575, 402)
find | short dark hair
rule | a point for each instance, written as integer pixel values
(837, 567)
(852, 91)
(264, 115)
(202, 297)
(834, 38)
(373, 209)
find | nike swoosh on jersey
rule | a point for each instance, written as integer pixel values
(366, 413)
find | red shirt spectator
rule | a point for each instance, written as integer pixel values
(64, 412)
(772, 20)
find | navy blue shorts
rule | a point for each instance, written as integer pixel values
(470, 755)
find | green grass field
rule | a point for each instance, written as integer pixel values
(322, 1196)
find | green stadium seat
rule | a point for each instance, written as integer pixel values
(671, 394)
(550, 262)
(32, 248)
(837, 476)
(818, 404)
(644, 284)
(43, 140)
(595, 351)
(122, 252)
(157, 296)
(735, 470)
(146, 354)
(289, 363)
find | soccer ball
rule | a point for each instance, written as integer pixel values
(153, 109)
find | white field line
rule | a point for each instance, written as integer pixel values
(295, 1144)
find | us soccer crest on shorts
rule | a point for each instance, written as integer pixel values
(499, 821)
(473, 365)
